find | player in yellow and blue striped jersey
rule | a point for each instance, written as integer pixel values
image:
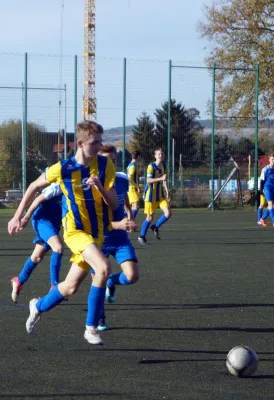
(134, 190)
(154, 196)
(87, 182)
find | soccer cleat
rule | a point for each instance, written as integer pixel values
(142, 240)
(91, 335)
(34, 315)
(155, 230)
(102, 325)
(259, 223)
(110, 294)
(16, 288)
(263, 222)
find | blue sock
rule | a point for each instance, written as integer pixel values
(260, 213)
(96, 299)
(118, 279)
(145, 227)
(26, 272)
(161, 221)
(134, 213)
(52, 299)
(266, 214)
(271, 213)
(54, 267)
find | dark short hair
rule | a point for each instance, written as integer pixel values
(159, 149)
(85, 129)
(108, 148)
(136, 154)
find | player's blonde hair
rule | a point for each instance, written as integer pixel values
(85, 129)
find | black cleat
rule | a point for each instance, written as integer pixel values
(142, 240)
(155, 230)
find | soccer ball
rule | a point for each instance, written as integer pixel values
(242, 361)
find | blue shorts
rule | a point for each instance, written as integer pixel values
(122, 252)
(269, 194)
(44, 231)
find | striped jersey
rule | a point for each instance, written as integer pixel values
(132, 173)
(154, 191)
(83, 206)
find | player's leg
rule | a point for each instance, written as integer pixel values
(262, 215)
(125, 255)
(135, 208)
(55, 296)
(17, 282)
(163, 218)
(149, 211)
(269, 196)
(56, 245)
(101, 269)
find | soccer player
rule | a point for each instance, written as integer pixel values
(154, 196)
(134, 190)
(116, 242)
(46, 215)
(87, 182)
(263, 202)
(267, 187)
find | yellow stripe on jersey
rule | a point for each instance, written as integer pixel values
(132, 173)
(154, 191)
(84, 208)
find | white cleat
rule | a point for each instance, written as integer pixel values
(34, 315)
(91, 335)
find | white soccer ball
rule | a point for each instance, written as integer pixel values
(242, 361)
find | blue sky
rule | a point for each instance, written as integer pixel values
(147, 32)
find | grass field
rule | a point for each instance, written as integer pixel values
(204, 288)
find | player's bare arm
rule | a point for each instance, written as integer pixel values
(128, 209)
(36, 203)
(15, 223)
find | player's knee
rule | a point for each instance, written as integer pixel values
(37, 258)
(58, 248)
(150, 218)
(133, 276)
(104, 271)
(70, 288)
(168, 213)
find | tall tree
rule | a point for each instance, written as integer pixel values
(185, 129)
(145, 137)
(242, 32)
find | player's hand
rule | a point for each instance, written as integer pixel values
(24, 222)
(95, 181)
(128, 225)
(164, 178)
(14, 226)
(138, 190)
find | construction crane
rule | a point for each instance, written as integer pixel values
(89, 100)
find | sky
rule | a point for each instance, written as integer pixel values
(147, 33)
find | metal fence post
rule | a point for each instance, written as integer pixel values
(75, 99)
(213, 134)
(256, 134)
(124, 113)
(169, 122)
(25, 126)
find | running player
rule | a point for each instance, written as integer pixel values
(134, 190)
(263, 202)
(116, 242)
(267, 187)
(46, 215)
(154, 196)
(87, 182)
